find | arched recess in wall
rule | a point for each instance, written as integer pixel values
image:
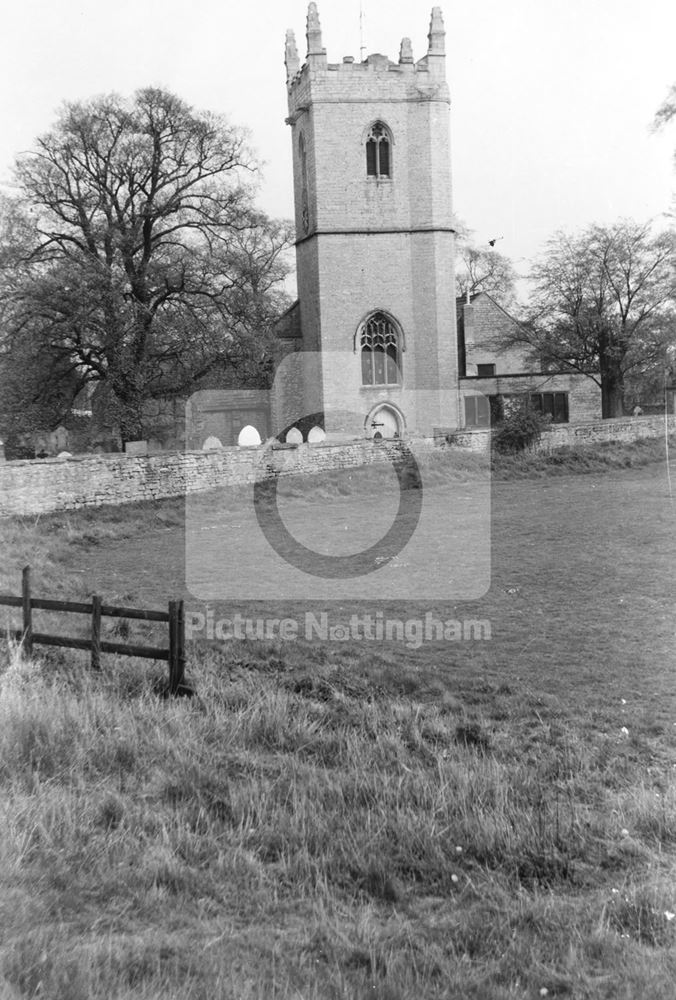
(380, 341)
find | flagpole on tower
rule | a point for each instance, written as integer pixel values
(362, 39)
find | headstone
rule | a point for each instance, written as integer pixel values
(211, 443)
(294, 436)
(316, 435)
(59, 439)
(248, 437)
(136, 447)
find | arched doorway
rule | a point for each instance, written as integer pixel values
(386, 421)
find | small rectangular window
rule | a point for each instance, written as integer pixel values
(560, 408)
(552, 404)
(477, 411)
(485, 371)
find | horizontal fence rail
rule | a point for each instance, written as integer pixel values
(173, 654)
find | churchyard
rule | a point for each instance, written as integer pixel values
(483, 818)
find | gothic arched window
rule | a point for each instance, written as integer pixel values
(380, 351)
(378, 151)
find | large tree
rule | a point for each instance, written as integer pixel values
(604, 303)
(133, 255)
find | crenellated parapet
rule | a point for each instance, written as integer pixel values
(424, 79)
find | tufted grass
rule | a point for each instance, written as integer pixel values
(305, 831)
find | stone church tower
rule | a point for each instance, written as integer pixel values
(375, 240)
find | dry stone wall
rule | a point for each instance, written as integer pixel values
(572, 435)
(41, 486)
(618, 429)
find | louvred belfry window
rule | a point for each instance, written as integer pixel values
(378, 157)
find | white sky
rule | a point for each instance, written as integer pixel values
(552, 99)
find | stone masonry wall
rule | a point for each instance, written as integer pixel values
(619, 429)
(488, 333)
(41, 486)
(571, 435)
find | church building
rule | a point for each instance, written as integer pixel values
(375, 329)
(374, 236)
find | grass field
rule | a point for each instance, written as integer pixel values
(482, 819)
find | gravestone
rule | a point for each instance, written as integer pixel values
(248, 437)
(136, 447)
(316, 435)
(294, 436)
(58, 440)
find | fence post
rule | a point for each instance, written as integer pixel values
(176, 646)
(27, 638)
(96, 632)
(181, 644)
(173, 647)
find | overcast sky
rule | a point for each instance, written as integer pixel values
(552, 100)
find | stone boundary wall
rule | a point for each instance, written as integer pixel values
(44, 485)
(570, 435)
(616, 429)
(50, 484)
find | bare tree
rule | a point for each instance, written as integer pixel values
(483, 269)
(134, 255)
(604, 304)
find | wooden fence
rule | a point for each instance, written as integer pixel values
(174, 654)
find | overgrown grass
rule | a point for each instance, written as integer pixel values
(601, 457)
(304, 831)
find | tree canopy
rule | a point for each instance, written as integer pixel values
(133, 255)
(604, 304)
